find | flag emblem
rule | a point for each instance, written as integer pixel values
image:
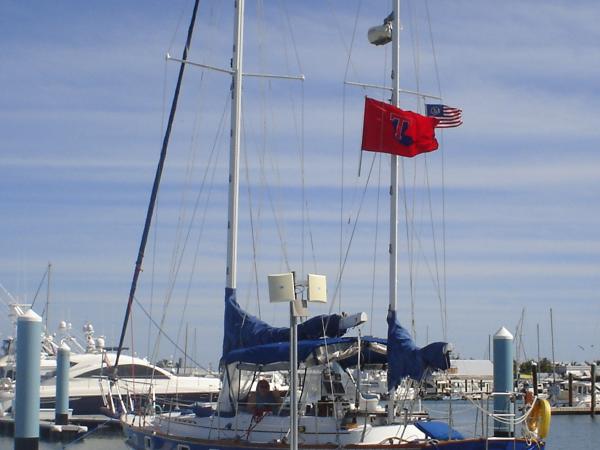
(448, 117)
(388, 129)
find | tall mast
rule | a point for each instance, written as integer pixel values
(393, 282)
(234, 151)
(393, 279)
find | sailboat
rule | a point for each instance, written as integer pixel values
(328, 408)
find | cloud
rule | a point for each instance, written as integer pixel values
(84, 105)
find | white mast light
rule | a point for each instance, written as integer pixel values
(381, 34)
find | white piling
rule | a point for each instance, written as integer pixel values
(61, 416)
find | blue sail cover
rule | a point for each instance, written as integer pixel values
(280, 351)
(405, 359)
(242, 330)
(276, 352)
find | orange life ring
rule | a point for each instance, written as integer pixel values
(538, 421)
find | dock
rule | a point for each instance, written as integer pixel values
(47, 428)
(573, 410)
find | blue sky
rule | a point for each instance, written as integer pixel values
(86, 90)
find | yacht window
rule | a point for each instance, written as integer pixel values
(147, 443)
(125, 371)
(48, 375)
(139, 371)
(183, 447)
(93, 373)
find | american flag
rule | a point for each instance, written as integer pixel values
(448, 117)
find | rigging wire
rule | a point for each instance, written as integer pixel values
(354, 226)
(151, 204)
(343, 150)
(305, 205)
(40, 287)
(410, 219)
(253, 230)
(410, 232)
(298, 127)
(210, 183)
(177, 264)
(181, 242)
(155, 224)
(341, 34)
(435, 253)
(443, 175)
(163, 333)
(376, 240)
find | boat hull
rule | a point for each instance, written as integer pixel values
(144, 438)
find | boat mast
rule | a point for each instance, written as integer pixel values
(393, 275)
(234, 150)
(393, 278)
(157, 177)
(47, 309)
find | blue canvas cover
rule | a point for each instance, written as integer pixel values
(438, 430)
(276, 352)
(405, 359)
(243, 330)
(280, 351)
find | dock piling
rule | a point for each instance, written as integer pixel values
(534, 378)
(593, 380)
(27, 395)
(503, 380)
(61, 415)
(570, 389)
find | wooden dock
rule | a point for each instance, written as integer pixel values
(573, 410)
(47, 428)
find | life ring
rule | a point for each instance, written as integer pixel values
(538, 421)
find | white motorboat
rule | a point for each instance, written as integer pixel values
(90, 376)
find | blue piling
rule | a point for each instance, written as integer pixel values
(61, 414)
(503, 380)
(27, 395)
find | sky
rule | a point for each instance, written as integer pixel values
(497, 228)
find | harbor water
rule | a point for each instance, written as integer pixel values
(566, 432)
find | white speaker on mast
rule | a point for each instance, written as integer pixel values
(317, 288)
(281, 288)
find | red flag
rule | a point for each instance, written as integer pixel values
(389, 129)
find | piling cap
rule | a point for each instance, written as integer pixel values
(30, 316)
(64, 347)
(503, 333)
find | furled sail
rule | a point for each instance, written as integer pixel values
(243, 330)
(405, 359)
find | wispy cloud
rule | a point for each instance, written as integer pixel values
(84, 99)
